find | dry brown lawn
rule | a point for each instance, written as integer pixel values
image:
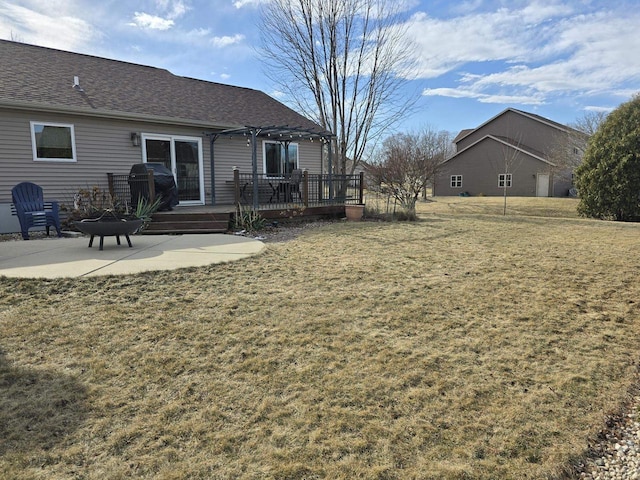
(464, 346)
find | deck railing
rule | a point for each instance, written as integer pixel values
(126, 190)
(311, 190)
(266, 192)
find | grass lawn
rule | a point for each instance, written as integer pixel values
(467, 345)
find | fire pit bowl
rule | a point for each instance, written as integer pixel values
(108, 227)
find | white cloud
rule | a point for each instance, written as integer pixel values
(172, 9)
(532, 54)
(226, 40)
(444, 45)
(199, 33)
(248, 3)
(541, 11)
(225, 76)
(483, 97)
(593, 108)
(40, 24)
(151, 22)
(179, 8)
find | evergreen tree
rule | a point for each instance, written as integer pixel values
(608, 180)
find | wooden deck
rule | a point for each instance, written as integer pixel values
(219, 218)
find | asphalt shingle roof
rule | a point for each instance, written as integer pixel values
(39, 77)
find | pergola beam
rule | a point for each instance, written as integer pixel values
(282, 133)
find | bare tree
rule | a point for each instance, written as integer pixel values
(341, 63)
(441, 147)
(15, 37)
(506, 164)
(568, 147)
(589, 122)
(406, 163)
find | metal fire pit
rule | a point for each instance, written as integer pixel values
(108, 227)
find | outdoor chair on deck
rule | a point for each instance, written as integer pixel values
(290, 186)
(28, 200)
(294, 183)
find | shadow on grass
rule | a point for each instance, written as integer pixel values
(38, 408)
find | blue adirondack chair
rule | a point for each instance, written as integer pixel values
(29, 203)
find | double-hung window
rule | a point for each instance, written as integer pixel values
(504, 180)
(276, 161)
(53, 142)
(456, 181)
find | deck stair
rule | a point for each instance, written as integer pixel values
(178, 221)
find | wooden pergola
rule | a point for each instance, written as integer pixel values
(284, 134)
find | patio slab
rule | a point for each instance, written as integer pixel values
(71, 257)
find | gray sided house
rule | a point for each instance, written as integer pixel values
(528, 154)
(67, 120)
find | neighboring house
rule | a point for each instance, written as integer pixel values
(529, 154)
(66, 120)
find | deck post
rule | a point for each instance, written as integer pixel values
(305, 188)
(236, 186)
(110, 183)
(152, 186)
(361, 189)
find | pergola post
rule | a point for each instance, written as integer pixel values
(254, 166)
(330, 160)
(286, 156)
(273, 132)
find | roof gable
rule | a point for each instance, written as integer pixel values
(558, 126)
(43, 78)
(507, 142)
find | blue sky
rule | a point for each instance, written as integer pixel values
(474, 58)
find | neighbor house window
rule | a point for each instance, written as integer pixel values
(275, 159)
(456, 181)
(53, 142)
(504, 180)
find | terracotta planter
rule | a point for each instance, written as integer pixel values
(354, 212)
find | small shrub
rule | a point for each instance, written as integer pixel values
(94, 202)
(249, 220)
(386, 208)
(146, 209)
(405, 215)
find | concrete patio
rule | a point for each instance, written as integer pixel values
(71, 257)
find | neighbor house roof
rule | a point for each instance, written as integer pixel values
(507, 142)
(462, 134)
(41, 78)
(538, 118)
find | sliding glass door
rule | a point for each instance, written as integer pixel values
(183, 156)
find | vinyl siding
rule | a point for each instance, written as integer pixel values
(232, 152)
(104, 146)
(527, 131)
(481, 158)
(480, 167)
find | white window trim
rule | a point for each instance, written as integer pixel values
(172, 139)
(507, 178)
(264, 155)
(456, 177)
(34, 146)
